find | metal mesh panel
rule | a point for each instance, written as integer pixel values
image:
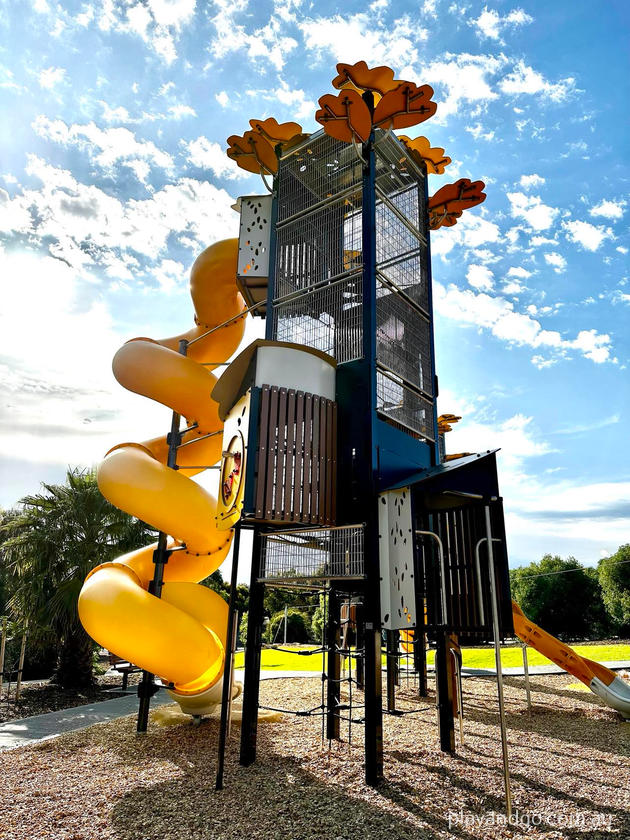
(319, 246)
(314, 172)
(395, 169)
(403, 406)
(403, 339)
(409, 273)
(328, 318)
(313, 553)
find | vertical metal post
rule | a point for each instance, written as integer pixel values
(249, 723)
(146, 686)
(286, 619)
(3, 645)
(333, 667)
(497, 658)
(420, 659)
(424, 217)
(226, 694)
(526, 671)
(444, 686)
(392, 663)
(18, 686)
(368, 490)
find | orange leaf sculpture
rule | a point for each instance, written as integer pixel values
(434, 158)
(449, 202)
(253, 152)
(345, 117)
(274, 131)
(380, 79)
(407, 105)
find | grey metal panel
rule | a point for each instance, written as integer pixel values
(398, 597)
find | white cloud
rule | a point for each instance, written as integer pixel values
(85, 225)
(518, 271)
(116, 114)
(529, 182)
(538, 216)
(157, 22)
(51, 77)
(206, 154)
(462, 78)
(356, 37)
(557, 261)
(498, 315)
(490, 23)
(106, 146)
(478, 133)
(267, 44)
(537, 241)
(480, 277)
(302, 107)
(588, 236)
(621, 248)
(178, 112)
(609, 209)
(222, 98)
(525, 80)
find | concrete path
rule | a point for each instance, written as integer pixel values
(17, 733)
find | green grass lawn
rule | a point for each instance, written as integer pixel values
(473, 657)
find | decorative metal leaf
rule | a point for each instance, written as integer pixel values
(274, 131)
(435, 159)
(345, 116)
(449, 202)
(407, 105)
(253, 153)
(380, 79)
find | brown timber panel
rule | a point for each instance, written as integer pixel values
(289, 479)
(307, 458)
(296, 458)
(296, 514)
(281, 450)
(271, 453)
(262, 453)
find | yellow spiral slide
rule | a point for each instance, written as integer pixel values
(181, 636)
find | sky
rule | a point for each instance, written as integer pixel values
(113, 178)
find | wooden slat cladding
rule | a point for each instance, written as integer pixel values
(297, 458)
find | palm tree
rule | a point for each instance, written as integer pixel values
(52, 543)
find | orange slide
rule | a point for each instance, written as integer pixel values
(181, 636)
(601, 680)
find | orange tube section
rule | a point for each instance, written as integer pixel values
(180, 636)
(613, 690)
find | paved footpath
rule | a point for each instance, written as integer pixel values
(17, 733)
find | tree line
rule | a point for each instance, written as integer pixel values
(52, 539)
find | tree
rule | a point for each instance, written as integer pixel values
(317, 622)
(52, 543)
(298, 626)
(614, 577)
(561, 595)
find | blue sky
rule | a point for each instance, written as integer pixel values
(113, 178)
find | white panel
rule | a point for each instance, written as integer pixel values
(298, 369)
(398, 603)
(253, 240)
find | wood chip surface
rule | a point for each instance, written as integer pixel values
(569, 759)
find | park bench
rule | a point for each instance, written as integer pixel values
(122, 667)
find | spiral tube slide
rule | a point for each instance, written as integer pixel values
(614, 691)
(181, 636)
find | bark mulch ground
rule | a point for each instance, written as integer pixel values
(570, 763)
